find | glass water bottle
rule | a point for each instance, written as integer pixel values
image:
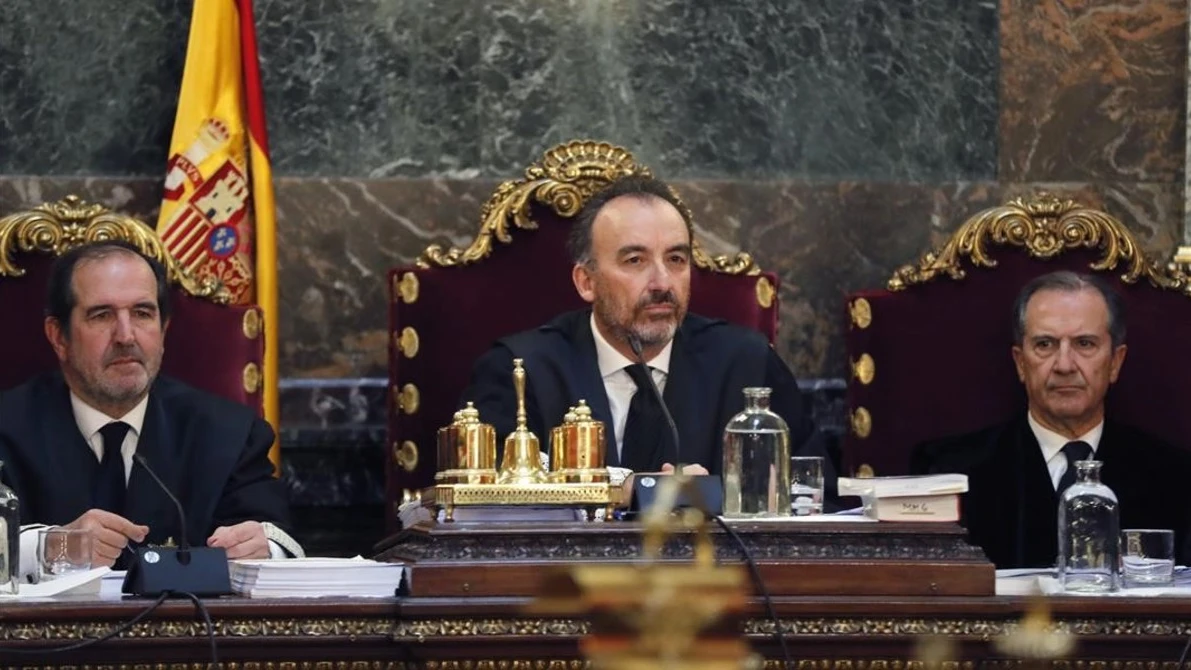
(1089, 533)
(10, 539)
(756, 460)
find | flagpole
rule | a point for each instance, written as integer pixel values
(265, 210)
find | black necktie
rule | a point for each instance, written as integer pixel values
(1074, 451)
(110, 484)
(641, 449)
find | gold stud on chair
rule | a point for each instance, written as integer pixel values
(406, 455)
(407, 287)
(765, 292)
(407, 399)
(252, 324)
(864, 369)
(861, 312)
(862, 422)
(407, 342)
(252, 378)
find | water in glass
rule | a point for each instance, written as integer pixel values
(756, 460)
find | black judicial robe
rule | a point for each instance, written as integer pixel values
(1011, 508)
(211, 452)
(711, 362)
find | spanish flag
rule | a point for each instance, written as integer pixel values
(217, 216)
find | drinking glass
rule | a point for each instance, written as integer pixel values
(62, 551)
(1147, 556)
(806, 485)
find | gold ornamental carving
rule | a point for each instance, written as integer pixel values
(407, 342)
(353, 627)
(563, 179)
(1045, 225)
(252, 324)
(406, 455)
(765, 292)
(864, 369)
(862, 422)
(408, 399)
(308, 664)
(252, 378)
(861, 312)
(57, 227)
(406, 286)
(405, 630)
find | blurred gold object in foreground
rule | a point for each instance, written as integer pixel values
(657, 613)
(1036, 637)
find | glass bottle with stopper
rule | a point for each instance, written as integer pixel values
(1089, 533)
(756, 460)
(10, 539)
(521, 463)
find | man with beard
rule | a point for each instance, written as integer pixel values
(631, 245)
(1068, 348)
(68, 437)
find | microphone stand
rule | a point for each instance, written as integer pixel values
(638, 349)
(707, 490)
(201, 571)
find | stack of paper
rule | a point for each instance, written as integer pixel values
(893, 487)
(315, 577)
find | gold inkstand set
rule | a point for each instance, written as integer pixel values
(576, 476)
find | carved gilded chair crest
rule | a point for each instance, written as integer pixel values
(56, 227)
(563, 179)
(1046, 226)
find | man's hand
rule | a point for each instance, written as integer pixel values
(693, 469)
(243, 540)
(110, 533)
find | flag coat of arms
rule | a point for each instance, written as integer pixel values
(218, 217)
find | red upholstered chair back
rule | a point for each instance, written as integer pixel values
(516, 275)
(212, 346)
(930, 356)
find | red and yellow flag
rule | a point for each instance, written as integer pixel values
(218, 217)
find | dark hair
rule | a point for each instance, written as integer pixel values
(643, 187)
(1070, 282)
(60, 297)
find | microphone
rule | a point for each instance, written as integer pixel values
(708, 490)
(183, 540)
(200, 571)
(635, 345)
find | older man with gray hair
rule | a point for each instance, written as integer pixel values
(1068, 348)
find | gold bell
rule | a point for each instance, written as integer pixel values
(521, 463)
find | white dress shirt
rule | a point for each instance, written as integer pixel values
(1052, 447)
(619, 385)
(90, 421)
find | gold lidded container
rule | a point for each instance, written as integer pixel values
(558, 439)
(466, 450)
(578, 456)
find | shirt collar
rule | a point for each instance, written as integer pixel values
(612, 361)
(90, 420)
(1052, 443)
